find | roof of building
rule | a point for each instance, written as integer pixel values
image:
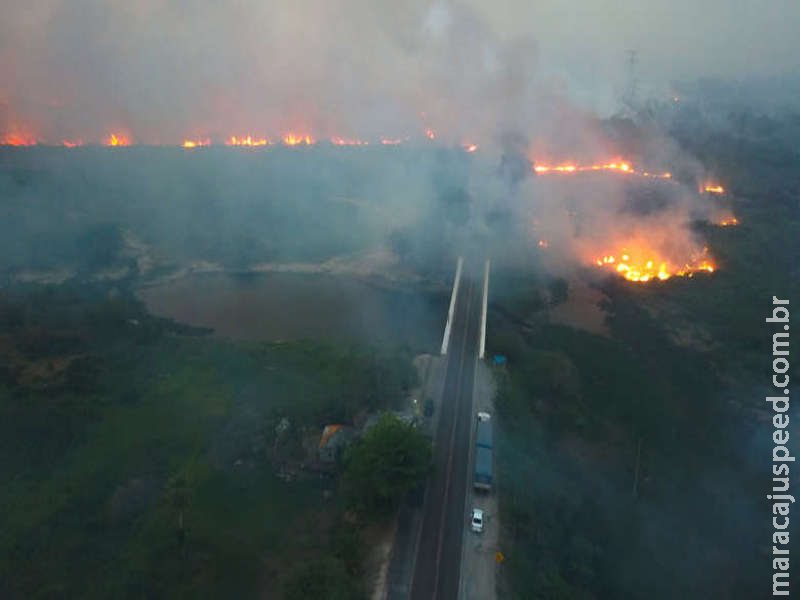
(327, 433)
(330, 431)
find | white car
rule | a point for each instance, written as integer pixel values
(477, 520)
(484, 416)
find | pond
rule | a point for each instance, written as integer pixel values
(290, 306)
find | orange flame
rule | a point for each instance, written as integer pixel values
(543, 244)
(114, 140)
(715, 189)
(431, 135)
(616, 167)
(643, 265)
(470, 147)
(18, 140)
(391, 142)
(196, 143)
(291, 139)
(729, 222)
(246, 141)
(71, 144)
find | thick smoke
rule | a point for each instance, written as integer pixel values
(160, 72)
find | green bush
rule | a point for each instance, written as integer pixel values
(390, 460)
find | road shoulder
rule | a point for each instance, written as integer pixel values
(478, 564)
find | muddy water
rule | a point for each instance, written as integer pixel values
(288, 306)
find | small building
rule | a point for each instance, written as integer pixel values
(334, 439)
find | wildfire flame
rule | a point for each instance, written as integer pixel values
(196, 143)
(431, 135)
(470, 147)
(18, 140)
(114, 140)
(729, 222)
(715, 189)
(391, 142)
(291, 139)
(71, 144)
(543, 244)
(643, 265)
(618, 167)
(246, 141)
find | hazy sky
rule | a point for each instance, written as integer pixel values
(161, 70)
(675, 39)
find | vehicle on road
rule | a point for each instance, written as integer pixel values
(483, 452)
(477, 520)
(483, 434)
(483, 468)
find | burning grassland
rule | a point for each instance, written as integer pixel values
(641, 263)
(607, 215)
(117, 140)
(246, 141)
(16, 139)
(636, 228)
(196, 143)
(619, 166)
(290, 139)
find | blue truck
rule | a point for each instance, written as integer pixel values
(483, 435)
(483, 455)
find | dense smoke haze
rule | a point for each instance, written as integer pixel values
(161, 72)
(522, 90)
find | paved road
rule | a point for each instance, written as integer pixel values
(438, 561)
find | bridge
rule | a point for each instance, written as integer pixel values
(430, 538)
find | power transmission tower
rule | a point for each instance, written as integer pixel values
(630, 91)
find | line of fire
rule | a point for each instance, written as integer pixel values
(634, 259)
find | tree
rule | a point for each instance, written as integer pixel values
(391, 459)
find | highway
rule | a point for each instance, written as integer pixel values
(438, 557)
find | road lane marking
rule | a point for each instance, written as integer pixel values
(482, 349)
(451, 310)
